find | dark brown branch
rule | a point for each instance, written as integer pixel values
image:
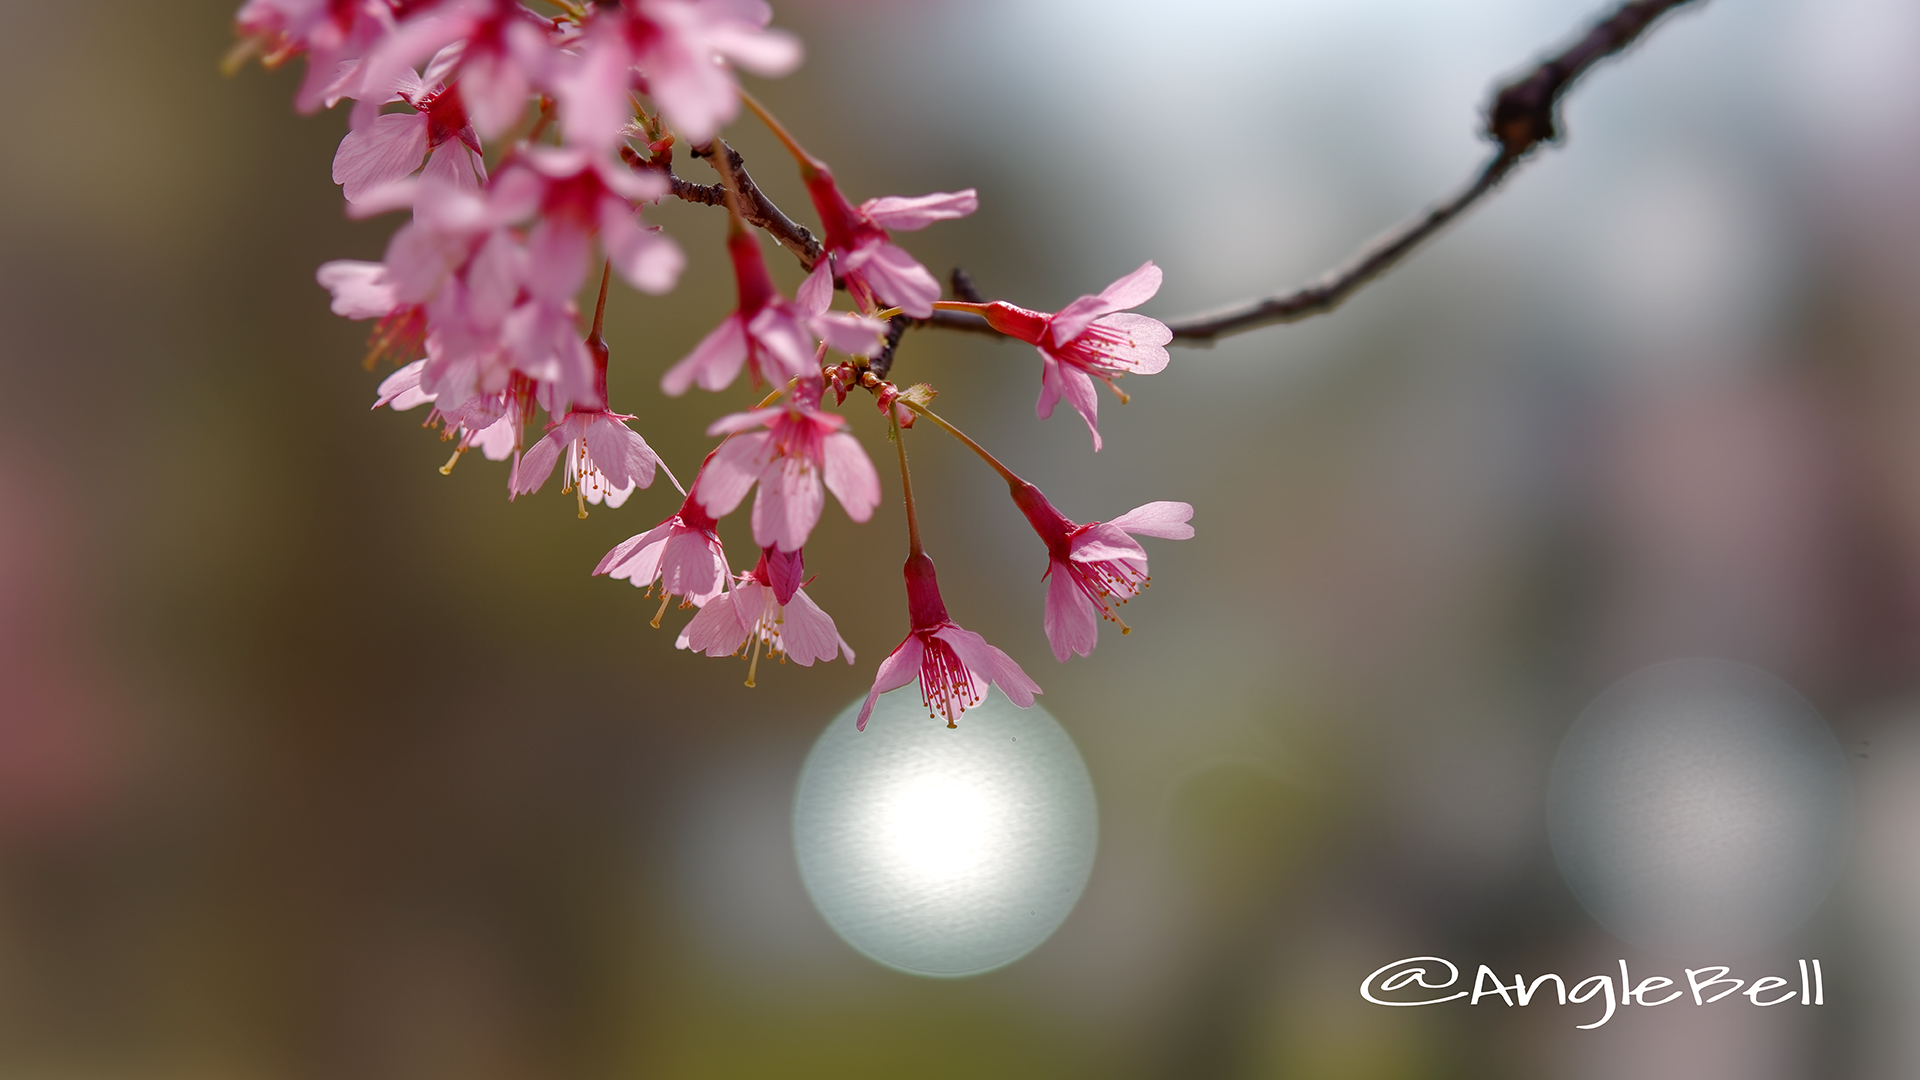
(1523, 115)
(758, 209)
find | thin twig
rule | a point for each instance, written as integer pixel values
(1523, 116)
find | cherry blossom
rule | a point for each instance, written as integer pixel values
(682, 556)
(772, 336)
(1091, 338)
(497, 49)
(334, 35)
(1093, 566)
(877, 271)
(488, 422)
(384, 147)
(954, 666)
(798, 449)
(751, 611)
(684, 50)
(605, 459)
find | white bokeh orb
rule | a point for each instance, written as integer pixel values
(945, 851)
(1700, 806)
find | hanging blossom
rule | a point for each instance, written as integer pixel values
(878, 272)
(383, 147)
(489, 422)
(1092, 338)
(954, 666)
(605, 459)
(333, 35)
(751, 613)
(797, 450)
(771, 336)
(681, 52)
(498, 50)
(682, 556)
(1092, 567)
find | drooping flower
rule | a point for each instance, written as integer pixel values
(384, 147)
(878, 272)
(605, 459)
(682, 556)
(795, 629)
(954, 666)
(1091, 338)
(363, 290)
(491, 422)
(798, 449)
(684, 50)
(334, 35)
(1095, 566)
(498, 50)
(774, 337)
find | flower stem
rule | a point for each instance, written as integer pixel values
(1005, 473)
(906, 488)
(596, 341)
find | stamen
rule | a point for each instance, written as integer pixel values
(753, 665)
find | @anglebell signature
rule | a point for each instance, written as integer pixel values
(1412, 982)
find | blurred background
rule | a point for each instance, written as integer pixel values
(316, 763)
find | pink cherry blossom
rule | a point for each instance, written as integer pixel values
(334, 35)
(1093, 566)
(954, 666)
(490, 422)
(497, 49)
(363, 290)
(605, 459)
(684, 50)
(798, 449)
(772, 336)
(751, 611)
(1091, 338)
(858, 249)
(682, 555)
(387, 146)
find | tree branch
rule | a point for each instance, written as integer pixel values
(1523, 115)
(757, 209)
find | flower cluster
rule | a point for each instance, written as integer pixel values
(526, 146)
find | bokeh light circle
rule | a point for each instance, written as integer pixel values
(945, 851)
(1699, 805)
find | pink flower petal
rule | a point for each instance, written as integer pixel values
(855, 335)
(808, 634)
(718, 629)
(693, 565)
(361, 290)
(729, 473)
(1072, 622)
(534, 466)
(815, 294)
(713, 364)
(637, 558)
(788, 506)
(901, 667)
(1166, 520)
(402, 388)
(899, 280)
(989, 664)
(906, 214)
(385, 150)
(850, 475)
(621, 453)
